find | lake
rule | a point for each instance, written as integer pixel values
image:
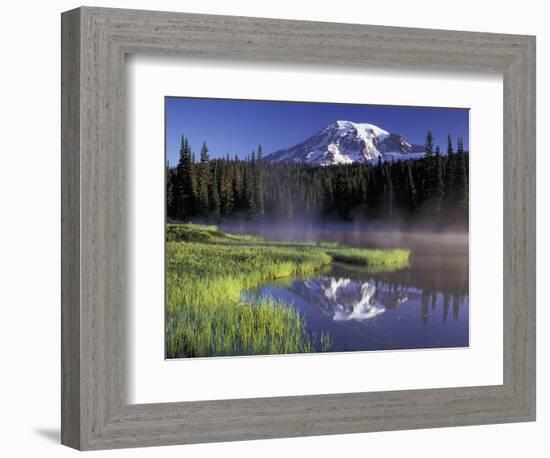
(425, 305)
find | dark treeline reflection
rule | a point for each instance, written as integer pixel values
(425, 305)
(436, 281)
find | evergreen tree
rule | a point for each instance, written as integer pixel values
(249, 189)
(429, 176)
(328, 195)
(439, 183)
(461, 185)
(450, 170)
(178, 192)
(410, 188)
(226, 191)
(389, 193)
(259, 184)
(185, 186)
(237, 182)
(169, 191)
(214, 199)
(450, 150)
(203, 181)
(429, 145)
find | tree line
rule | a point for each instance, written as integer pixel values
(432, 190)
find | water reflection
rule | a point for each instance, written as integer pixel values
(341, 299)
(423, 306)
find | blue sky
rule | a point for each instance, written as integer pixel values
(238, 126)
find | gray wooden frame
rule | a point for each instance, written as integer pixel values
(95, 413)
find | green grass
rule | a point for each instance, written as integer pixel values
(370, 258)
(207, 271)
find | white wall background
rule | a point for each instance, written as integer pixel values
(30, 228)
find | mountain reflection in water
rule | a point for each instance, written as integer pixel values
(423, 306)
(341, 299)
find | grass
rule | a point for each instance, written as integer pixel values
(207, 271)
(371, 258)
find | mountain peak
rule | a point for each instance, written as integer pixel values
(346, 142)
(371, 129)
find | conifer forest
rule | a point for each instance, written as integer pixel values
(432, 190)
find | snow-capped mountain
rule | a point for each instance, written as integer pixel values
(344, 299)
(345, 142)
(341, 299)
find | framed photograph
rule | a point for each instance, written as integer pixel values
(286, 228)
(353, 239)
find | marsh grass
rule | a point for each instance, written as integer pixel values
(370, 258)
(207, 272)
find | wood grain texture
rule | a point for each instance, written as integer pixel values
(70, 229)
(96, 414)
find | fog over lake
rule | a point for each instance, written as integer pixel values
(425, 305)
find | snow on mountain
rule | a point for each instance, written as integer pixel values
(341, 299)
(346, 142)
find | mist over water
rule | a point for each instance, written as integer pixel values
(423, 306)
(354, 234)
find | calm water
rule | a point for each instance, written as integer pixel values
(423, 306)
